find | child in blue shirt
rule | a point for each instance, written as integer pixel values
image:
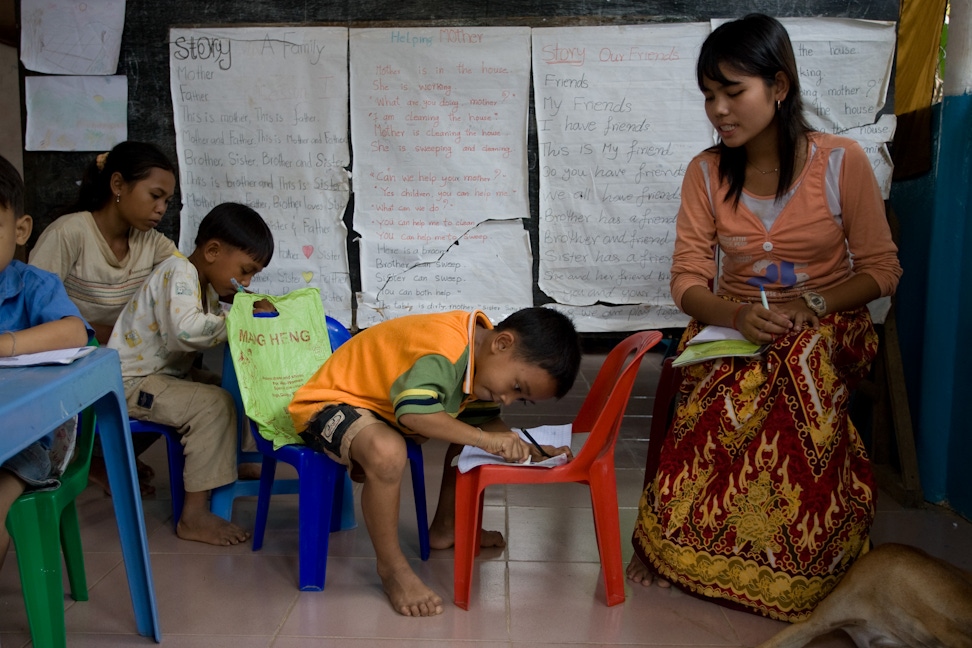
(35, 315)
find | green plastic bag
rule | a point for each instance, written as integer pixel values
(274, 356)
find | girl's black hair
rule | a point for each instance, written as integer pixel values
(239, 226)
(133, 160)
(756, 45)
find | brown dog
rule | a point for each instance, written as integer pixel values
(895, 596)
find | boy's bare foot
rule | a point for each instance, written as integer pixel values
(248, 471)
(408, 594)
(638, 573)
(98, 475)
(203, 526)
(445, 538)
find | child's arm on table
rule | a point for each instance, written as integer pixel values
(66, 333)
(495, 437)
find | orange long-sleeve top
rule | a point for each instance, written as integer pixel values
(831, 225)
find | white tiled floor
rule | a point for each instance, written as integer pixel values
(544, 589)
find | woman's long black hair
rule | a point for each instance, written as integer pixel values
(756, 45)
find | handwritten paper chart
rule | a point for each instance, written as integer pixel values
(261, 118)
(845, 70)
(619, 117)
(438, 128)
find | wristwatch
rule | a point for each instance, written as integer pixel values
(815, 302)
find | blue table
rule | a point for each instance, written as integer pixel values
(35, 400)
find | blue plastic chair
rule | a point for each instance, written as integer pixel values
(326, 500)
(177, 461)
(222, 498)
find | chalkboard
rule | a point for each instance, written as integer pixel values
(51, 176)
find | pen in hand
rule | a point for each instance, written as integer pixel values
(762, 296)
(535, 444)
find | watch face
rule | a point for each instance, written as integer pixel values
(816, 302)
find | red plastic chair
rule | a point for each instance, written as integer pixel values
(601, 415)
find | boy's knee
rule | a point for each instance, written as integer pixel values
(380, 455)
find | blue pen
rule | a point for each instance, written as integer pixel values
(236, 284)
(762, 296)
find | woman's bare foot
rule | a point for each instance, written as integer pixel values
(638, 573)
(203, 526)
(445, 538)
(408, 594)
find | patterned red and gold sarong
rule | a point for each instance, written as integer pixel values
(764, 495)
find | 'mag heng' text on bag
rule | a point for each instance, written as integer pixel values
(274, 355)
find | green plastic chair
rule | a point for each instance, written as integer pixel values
(32, 522)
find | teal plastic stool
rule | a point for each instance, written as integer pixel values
(42, 524)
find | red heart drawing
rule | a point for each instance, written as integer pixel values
(308, 251)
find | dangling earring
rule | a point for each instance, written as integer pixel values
(778, 102)
(117, 197)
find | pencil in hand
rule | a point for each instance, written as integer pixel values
(535, 444)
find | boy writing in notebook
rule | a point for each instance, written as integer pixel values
(35, 315)
(175, 315)
(435, 376)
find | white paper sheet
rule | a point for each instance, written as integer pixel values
(58, 356)
(69, 37)
(487, 267)
(438, 126)
(261, 118)
(874, 139)
(600, 318)
(552, 435)
(845, 69)
(76, 113)
(618, 119)
(714, 333)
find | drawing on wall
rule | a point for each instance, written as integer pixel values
(75, 113)
(66, 37)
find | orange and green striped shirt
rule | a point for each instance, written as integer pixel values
(416, 364)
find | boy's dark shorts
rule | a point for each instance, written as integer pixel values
(332, 430)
